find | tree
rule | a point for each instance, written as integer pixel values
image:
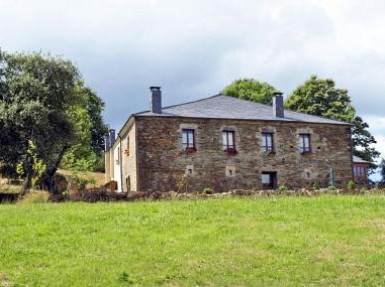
(39, 96)
(95, 107)
(87, 153)
(382, 171)
(252, 90)
(320, 97)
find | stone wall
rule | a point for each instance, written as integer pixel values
(164, 166)
(128, 143)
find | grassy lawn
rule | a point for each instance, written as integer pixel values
(323, 241)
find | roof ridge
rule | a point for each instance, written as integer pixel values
(291, 115)
(182, 104)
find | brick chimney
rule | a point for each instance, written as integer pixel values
(156, 100)
(278, 109)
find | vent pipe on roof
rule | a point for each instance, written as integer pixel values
(156, 100)
(278, 109)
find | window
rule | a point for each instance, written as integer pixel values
(359, 170)
(127, 150)
(267, 142)
(188, 139)
(228, 140)
(265, 178)
(304, 143)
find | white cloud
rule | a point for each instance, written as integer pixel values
(195, 48)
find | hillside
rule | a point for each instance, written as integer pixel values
(284, 241)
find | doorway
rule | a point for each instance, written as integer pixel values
(269, 180)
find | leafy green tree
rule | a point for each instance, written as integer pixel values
(382, 170)
(87, 153)
(252, 90)
(95, 107)
(41, 101)
(320, 97)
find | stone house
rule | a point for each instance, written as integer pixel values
(226, 143)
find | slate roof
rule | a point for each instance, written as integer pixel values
(357, 159)
(226, 107)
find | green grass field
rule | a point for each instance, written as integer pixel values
(322, 241)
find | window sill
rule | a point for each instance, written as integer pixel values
(306, 152)
(269, 152)
(190, 150)
(231, 151)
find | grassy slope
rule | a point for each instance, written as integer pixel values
(224, 242)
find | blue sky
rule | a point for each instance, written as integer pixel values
(195, 48)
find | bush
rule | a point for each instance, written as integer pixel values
(92, 181)
(208, 190)
(316, 185)
(351, 185)
(35, 197)
(77, 183)
(61, 182)
(331, 188)
(90, 195)
(282, 188)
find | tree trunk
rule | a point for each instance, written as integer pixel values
(52, 170)
(28, 179)
(27, 183)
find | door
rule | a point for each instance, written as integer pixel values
(269, 180)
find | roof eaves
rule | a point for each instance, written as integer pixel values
(243, 119)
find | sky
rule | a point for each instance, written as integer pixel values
(194, 48)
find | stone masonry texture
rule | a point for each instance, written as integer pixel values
(162, 165)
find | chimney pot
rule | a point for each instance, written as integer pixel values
(156, 100)
(278, 109)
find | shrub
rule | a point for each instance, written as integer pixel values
(351, 185)
(383, 190)
(282, 188)
(61, 182)
(92, 181)
(208, 190)
(331, 188)
(37, 196)
(316, 185)
(77, 183)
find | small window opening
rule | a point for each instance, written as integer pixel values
(267, 142)
(304, 143)
(228, 140)
(188, 139)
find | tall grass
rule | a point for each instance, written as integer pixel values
(320, 241)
